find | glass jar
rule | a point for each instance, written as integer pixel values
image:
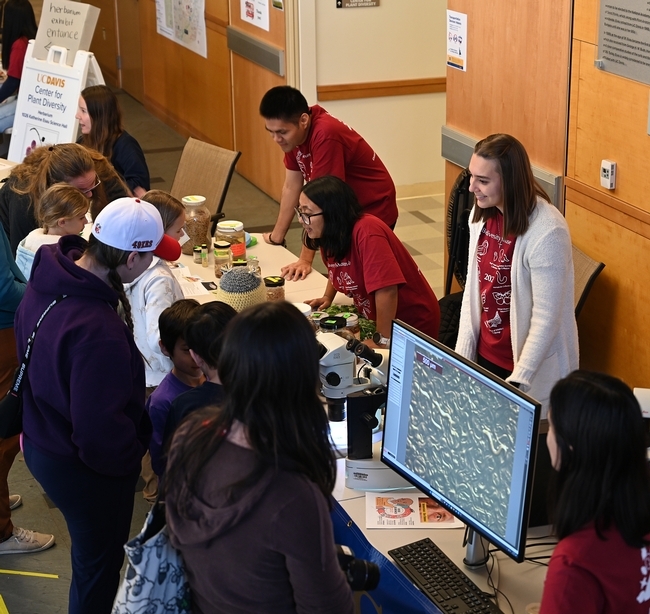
(221, 257)
(254, 265)
(315, 318)
(204, 255)
(233, 232)
(274, 288)
(197, 254)
(352, 323)
(335, 324)
(197, 222)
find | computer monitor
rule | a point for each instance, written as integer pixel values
(462, 436)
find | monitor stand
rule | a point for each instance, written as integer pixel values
(476, 552)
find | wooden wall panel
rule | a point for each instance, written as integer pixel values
(263, 165)
(104, 43)
(585, 21)
(517, 76)
(611, 118)
(614, 326)
(190, 93)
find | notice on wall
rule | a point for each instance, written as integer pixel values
(624, 38)
(457, 40)
(355, 4)
(184, 23)
(256, 12)
(70, 25)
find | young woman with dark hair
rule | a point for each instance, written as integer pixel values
(85, 428)
(517, 318)
(602, 506)
(100, 120)
(365, 260)
(248, 483)
(18, 27)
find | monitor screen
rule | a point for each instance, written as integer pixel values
(462, 436)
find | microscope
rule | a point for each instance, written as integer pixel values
(353, 378)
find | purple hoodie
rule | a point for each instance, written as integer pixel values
(84, 395)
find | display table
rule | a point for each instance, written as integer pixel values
(521, 582)
(271, 258)
(5, 168)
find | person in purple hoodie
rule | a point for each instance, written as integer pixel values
(85, 428)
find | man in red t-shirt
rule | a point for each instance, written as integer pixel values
(316, 144)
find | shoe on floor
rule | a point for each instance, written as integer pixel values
(15, 501)
(23, 541)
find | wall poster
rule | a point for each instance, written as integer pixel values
(624, 38)
(183, 21)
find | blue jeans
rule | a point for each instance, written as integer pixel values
(97, 509)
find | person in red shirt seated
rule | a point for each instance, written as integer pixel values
(365, 260)
(596, 441)
(18, 26)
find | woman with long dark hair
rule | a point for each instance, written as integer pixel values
(248, 483)
(365, 260)
(100, 120)
(601, 514)
(85, 428)
(18, 27)
(517, 318)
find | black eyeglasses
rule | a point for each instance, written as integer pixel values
(305, 218)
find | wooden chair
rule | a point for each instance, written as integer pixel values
(206, 170)
(585, 270)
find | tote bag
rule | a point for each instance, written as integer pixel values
(155, 580)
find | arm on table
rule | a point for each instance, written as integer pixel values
(293, 182)
(386, 309)
(318, 304)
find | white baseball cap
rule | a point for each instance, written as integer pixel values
(131, 224)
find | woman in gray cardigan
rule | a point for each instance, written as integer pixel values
(517, 318)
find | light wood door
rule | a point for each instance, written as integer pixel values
(261, 159)
(128, 21)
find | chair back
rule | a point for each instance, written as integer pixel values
(205, 169)
(585, 271)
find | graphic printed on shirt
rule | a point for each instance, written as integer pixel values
(344, 283)
(494, 263)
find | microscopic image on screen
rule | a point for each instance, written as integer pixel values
(461, 439)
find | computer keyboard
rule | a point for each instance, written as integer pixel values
(440, 579)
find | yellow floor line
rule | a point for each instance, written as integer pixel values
(3, 607)
(27, 573)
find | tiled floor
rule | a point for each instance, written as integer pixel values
(38, 583)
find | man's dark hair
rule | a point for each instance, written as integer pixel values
(284, 103)
(204, 331)
(173, 320)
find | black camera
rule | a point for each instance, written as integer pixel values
(361, 575)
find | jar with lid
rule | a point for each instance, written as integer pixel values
(334, 324)
(197, 222)
(315, 318)
(233, 232)
(221, 257)
(352, 323)
(197, 254)
(274, 288)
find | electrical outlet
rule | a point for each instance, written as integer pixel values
(608, 174)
